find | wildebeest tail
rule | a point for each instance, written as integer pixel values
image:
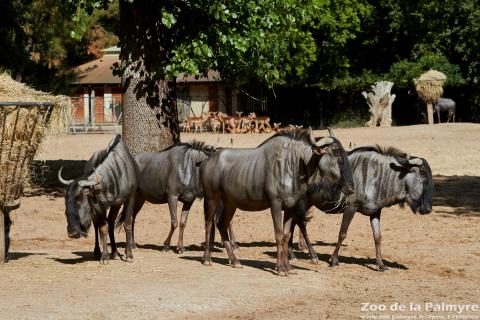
(120, 221)
(303, 217)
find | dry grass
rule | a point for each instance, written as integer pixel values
(22, 130)
(430, 86)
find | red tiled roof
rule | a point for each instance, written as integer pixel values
(100, 72)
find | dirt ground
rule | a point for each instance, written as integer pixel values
(432, 258)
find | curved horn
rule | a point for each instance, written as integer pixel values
(86, 183)
(65, 182)
(330, 132)
(312, 137)
(324, 142)
(415, 162)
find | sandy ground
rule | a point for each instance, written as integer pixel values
(432, 258)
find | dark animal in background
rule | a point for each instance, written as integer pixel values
(274, 175)
(170, 176)
(7, 223)
(112, 183)
(382, 178)
(445, 105)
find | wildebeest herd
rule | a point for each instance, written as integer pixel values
(291, 171)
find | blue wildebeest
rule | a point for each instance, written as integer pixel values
(110, 184)
(97, 158)
(169, 176)
(445, 105)
(274, 176)
(382, 177)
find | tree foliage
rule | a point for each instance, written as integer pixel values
(270, 42)
(37, 46)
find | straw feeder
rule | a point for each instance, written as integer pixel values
(429, 88)
(26, 117)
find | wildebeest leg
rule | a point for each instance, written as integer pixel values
(375, 222)
(128, 225)
(96, 250)
(291, 255)
(347, 217)
(183, 222)
(103, 227)
(172, 206)
(139, 201)
(438, 113)
(222, 225)
(311, 251)
(302, 245)
(112, 216)
(210, 205)
(276, 211)
(231, 236)
(287, 223)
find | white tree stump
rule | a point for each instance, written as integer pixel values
(380, 102)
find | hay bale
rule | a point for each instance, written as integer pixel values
(11, 90)
(429, 86)
(22, 129)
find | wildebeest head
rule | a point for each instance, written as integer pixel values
(334, 165)
(79, 197)
(418, 182)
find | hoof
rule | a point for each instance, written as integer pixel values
(115, 255)
(282, 271)
(180, 250)
(333, 262)
(128, 257)
(96, 254)
(207, 262)
(382, 268)
(314, 261)
(237, 265)
(166, 249)
(104, 259)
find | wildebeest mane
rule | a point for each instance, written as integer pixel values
(101, 156)
(196, 145)
(386, 151)
(299, 134)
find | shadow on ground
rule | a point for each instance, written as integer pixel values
(458, 192)
(266, 266)
(83, 256)
(366, 262)
(45, 180)
(20, 255)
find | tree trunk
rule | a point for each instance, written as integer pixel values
(150, 117)
(147, 127)
(380, 102)
(430, 113)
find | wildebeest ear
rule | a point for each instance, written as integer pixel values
(402, 169)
